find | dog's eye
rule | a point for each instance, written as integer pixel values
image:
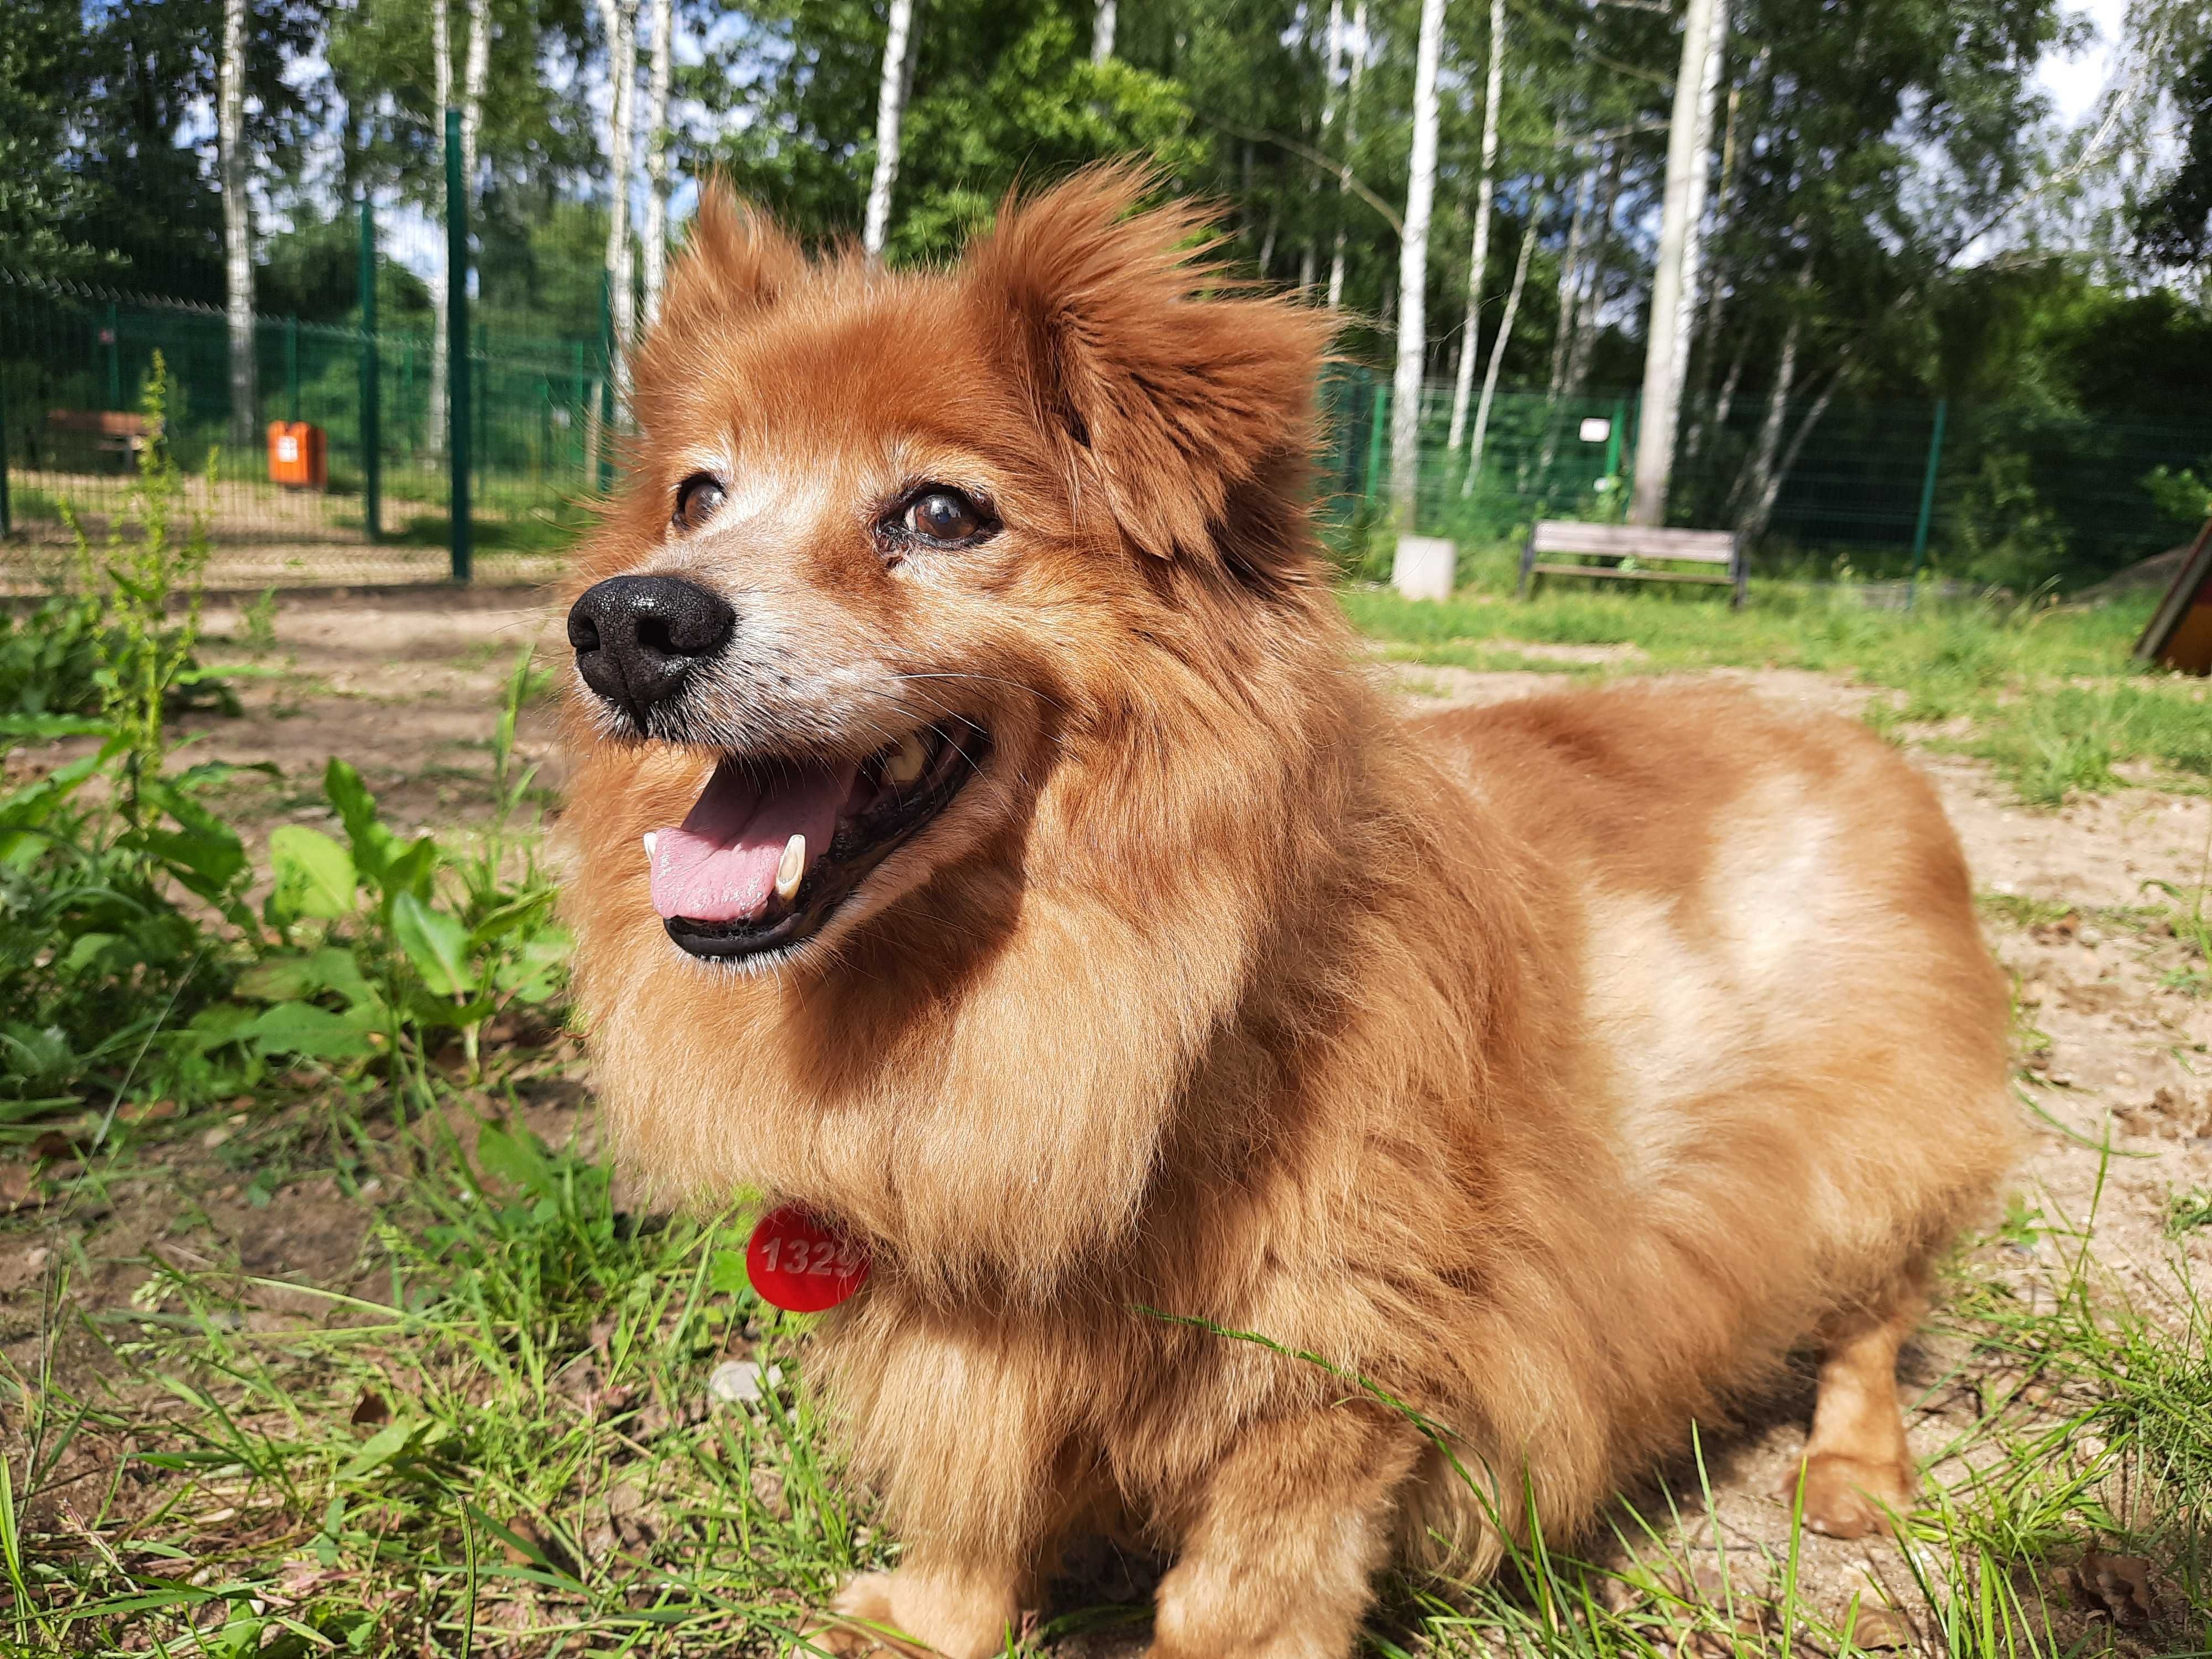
(946, 517)
(698, 498)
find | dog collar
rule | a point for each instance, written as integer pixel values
(801, 1265)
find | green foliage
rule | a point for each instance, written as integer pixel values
(2005, 533)
(384, 947)
(1001, 94)
(131, 960)
(50, 657)
(2181, 495)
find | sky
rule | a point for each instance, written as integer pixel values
(2074, 84)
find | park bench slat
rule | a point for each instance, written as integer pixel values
(1635, 541)
(107, 422)
(1718, 578)
(1565, 539)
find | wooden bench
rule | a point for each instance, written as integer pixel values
(1558, 539)
(113, 431)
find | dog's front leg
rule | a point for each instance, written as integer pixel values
(961, 1608)
(1284, 1541)
(976, 1481)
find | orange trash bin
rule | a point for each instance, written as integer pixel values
(298, 455)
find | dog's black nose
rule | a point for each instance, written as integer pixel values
(638, 638)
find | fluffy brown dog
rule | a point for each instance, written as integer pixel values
(1040, 893)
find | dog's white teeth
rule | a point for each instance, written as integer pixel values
(651, 837)
(790, 867)
(906, 763)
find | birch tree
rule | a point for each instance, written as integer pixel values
(1413, 270)
(1570, 280)
(1485, 198)
(1498, 349)
(1358, 55)
(1673, 287)
(1101, 32)
(656, 160)
(441, 71)
(237, 222)
(478, 70)
(891, 110)
(620, 19)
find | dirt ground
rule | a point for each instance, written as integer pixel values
(404, 685)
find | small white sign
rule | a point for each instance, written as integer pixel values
(1596, 429)
(288, 449)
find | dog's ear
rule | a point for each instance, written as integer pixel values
(736, 261)
(1172, 392)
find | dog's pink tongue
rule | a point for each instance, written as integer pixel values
(720, 865)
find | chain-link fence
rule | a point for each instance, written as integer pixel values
(1994, 493)
(302, 503)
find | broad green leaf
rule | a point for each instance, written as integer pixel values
(295, 977)
(725, 1272)
(413, 870)
(516, 1159)
(373, 844)
(85, 951)
(380, 1449)
(38, 727)
(302, 1028)
(315, 875)
(434, 942)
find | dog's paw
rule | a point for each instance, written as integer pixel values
(1847, 1497)
(858, 1623)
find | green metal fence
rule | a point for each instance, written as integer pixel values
(536, 437)
(1997, 493)
(2012, 494)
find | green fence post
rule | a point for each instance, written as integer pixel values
(7, 516)
(292, 367)
(1377, 428)
(1615, 432)
(372, 410)
(114, 342)
(457, 344)
(1926, 497)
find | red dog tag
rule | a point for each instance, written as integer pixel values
(798, 1265)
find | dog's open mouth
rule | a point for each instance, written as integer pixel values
(774, 845)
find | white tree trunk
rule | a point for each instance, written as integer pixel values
(656, 160)
(1599, 239)
(1351, 130)
(237, 223)
(1571, 279)
(1673, 287)
(1751, 484)
(1498, 349)
(890, 112)
(621, 17)
(1101, 32)
(1485, 198)
(1754, 525)
(473, 80)
(1413, 272)
(441, 67)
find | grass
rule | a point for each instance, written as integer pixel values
(2050, 696)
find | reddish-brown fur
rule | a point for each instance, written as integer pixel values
(1558, 1065)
